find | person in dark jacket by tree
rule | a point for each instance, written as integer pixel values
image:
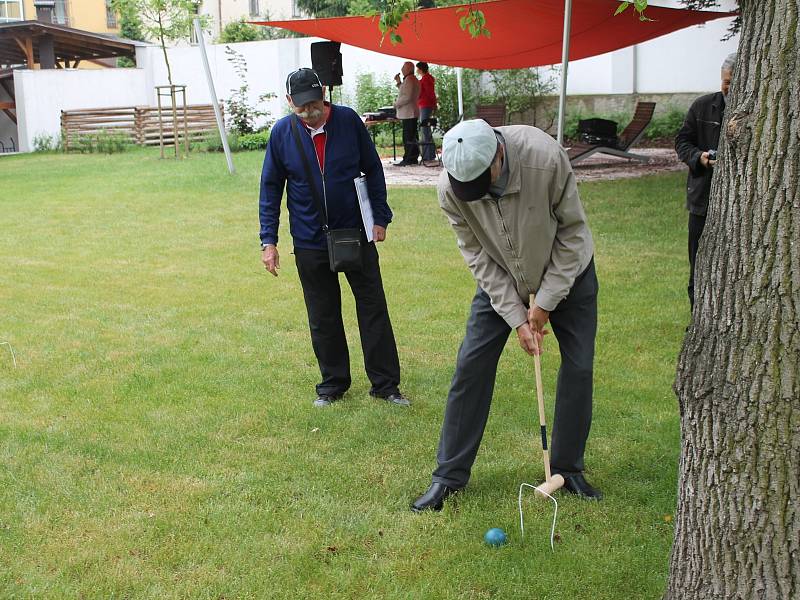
(339, 149)
(698, 136)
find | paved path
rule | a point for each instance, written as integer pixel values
(595, 168)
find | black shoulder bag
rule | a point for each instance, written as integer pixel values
(344, 245)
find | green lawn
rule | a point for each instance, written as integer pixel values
(157, 439)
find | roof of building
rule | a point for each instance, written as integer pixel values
(17, 38)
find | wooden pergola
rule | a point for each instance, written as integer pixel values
(42, 45)
(7, 84)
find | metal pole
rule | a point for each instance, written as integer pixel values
(220, 124)
(460, 94)
(562, 99)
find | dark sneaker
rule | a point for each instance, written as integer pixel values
(325, 400)
(395, 398)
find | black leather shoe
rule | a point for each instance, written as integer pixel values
(577, 484)
(433, 499)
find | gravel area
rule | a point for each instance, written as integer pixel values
(599, 167)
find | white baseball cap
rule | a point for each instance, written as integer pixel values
(468, 150)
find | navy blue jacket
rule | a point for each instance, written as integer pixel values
(349, 152)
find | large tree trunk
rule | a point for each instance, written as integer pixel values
(738, 381)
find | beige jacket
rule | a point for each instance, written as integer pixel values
(535, 238)
(407, 96)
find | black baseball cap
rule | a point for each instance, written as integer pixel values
(303, 86)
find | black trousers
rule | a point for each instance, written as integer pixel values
(410, 140)
(574, 323)
(323, 300)
(696, 225)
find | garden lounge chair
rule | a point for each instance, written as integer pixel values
(632, 134)
(493, 114)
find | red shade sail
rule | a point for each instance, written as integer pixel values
(524, 33)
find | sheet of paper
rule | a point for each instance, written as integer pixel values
(366, 207)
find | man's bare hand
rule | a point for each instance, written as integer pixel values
(378, 233)
(271, 259)
(705, 161)
(537, 318)
(529, 340)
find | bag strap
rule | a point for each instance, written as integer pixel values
(321, 214)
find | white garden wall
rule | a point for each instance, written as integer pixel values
(42, 95)
(686, 61)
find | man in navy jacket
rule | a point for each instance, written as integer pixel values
(339, 149)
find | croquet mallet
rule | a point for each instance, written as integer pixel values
(551, 482)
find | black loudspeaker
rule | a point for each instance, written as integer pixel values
(326, 60)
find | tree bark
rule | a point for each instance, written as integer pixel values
(738, 379)
(164, 48)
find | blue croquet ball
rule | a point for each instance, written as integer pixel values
(495, 537)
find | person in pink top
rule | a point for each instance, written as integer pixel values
(427, 105)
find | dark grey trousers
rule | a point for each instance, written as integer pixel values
(574, 323)
(696, 225)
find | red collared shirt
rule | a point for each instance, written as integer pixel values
(318, 136)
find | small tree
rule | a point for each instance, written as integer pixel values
(241, 113)
(130, 28)
(521, 90)
(447, 93)
(164, 20)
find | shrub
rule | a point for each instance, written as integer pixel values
(238, 31)
(112, 142)
(447, 94)
(45, 142)
(372, 93)
(665, 125)
(105, 142)
(241, 114)
(521, 90)
(241, 31)
(254, 141)
(213, 142)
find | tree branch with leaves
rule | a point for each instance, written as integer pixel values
(164, 20)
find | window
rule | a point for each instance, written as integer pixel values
(254, 12)
(10, 10)
(60, 15)
(295, 10)
(111, 15)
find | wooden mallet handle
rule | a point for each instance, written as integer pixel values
(551, 482)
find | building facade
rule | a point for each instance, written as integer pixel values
(96, 16)
(10, 11)
(223, 12)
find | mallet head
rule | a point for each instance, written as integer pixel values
(550, 486)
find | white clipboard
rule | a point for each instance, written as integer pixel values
(364, 205)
